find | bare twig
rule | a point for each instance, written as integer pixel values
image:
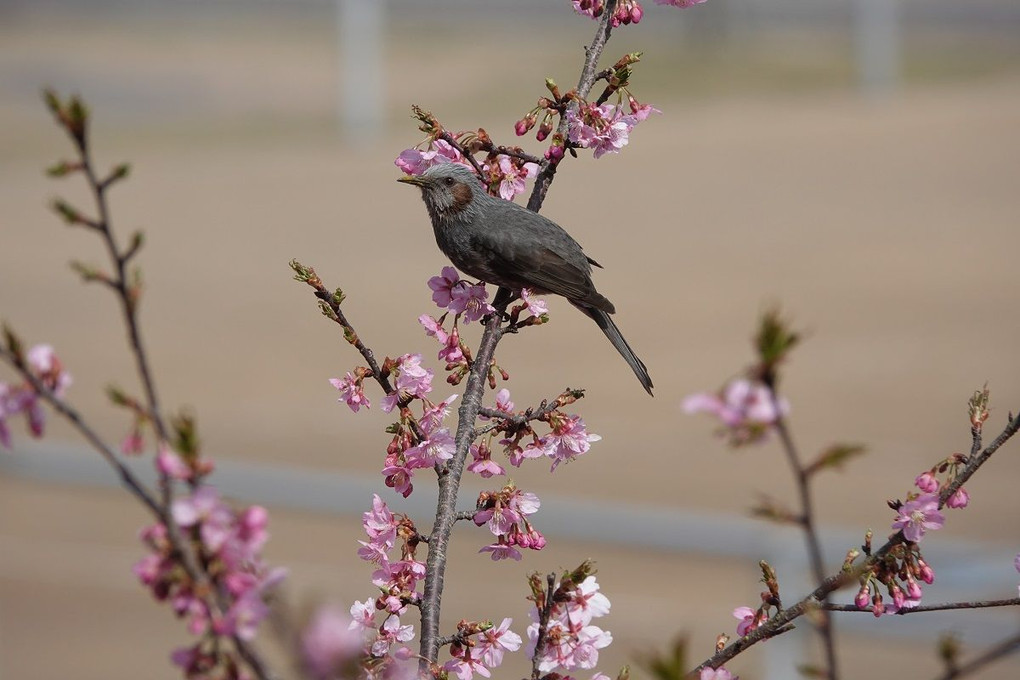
(1004, 648)
(807, 522)
(945, 606)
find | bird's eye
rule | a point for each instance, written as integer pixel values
(449, 181)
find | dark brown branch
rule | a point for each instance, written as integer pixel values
(508, 422)
(945, 606)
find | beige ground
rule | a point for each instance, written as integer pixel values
(887, 229)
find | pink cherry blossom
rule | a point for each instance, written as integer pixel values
(471, 301)
(713, 673)
(502, 551)
(432, 327)
(379, 523)
(568, 440)
(586, 603)
(351, 391)
(362, 615)
(497, 640)
(464, 667)
(503, 402)
(414, 162)
(745, 408)
(918, 516)
(328, 644)
(589, 8)
(749, 619)
(482, 463)
(511, 177)
(605, 129)
(433, 415)
(172, 465)
(535, 307)
(442, 286)
(440, 446)
(640, 111)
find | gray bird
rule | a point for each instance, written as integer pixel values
(499, 242)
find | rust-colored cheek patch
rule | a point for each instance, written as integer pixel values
(461, 197)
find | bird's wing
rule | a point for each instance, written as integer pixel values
(546, 260)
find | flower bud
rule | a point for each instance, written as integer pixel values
(927, 574)
(960, 499)
(897, 596)
(524, 124)
(863, 596)
(926, 482)
(544, 130)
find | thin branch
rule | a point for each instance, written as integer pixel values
(945, 606)
(131, 482)
(510, 423)
(807, 522)
(1004, 648)
(816, 598)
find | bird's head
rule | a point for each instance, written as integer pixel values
(448, 189)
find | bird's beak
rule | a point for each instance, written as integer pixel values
(416, 180)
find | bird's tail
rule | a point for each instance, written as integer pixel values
(605, 322)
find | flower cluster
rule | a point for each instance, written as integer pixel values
(506, 176)
(396, 580)
(330, 646)
(352, 389)
(43, 363)
(570, 641)
(506, 513)
(605, 128)
(454, 294)
(568, 439)
(228, 545)
(929, 483)
(415, 162)
(746, 408)
(627, 11)
(418, 444)
(412, 380)
(899, 574)
(478, 647)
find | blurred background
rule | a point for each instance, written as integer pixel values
(855, 161)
